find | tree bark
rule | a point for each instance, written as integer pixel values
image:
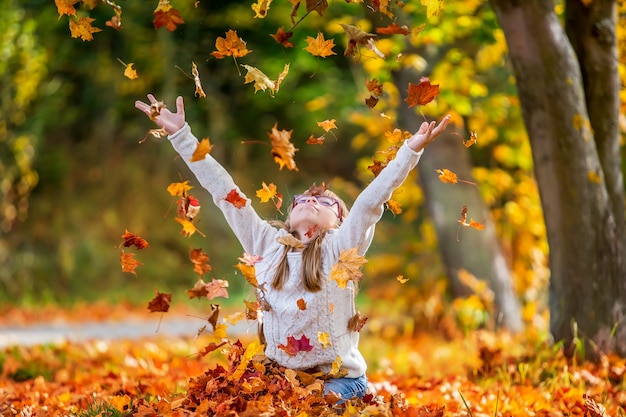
(575, 172)
(478, 252)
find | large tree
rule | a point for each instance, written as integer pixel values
(568, 83)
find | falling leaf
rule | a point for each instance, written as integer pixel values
(160, 303)
(324, 339)
(131, 239)
(301, 304)
(356, 322)
(422, 93)
(319, 46)
(394, 207)
(231, 45)
(433, 7)
(312, 140)
(234, 198)
(472, 223)
(283, 37)
(347, 267)
(128, 262)
(447, 176)
(82, 28)
(188, 207)
(472, 139)
(371, 101)
(289, 240)
(166, 15)
(394, 29)
(283, 150)
(66, 7)
(179, 189)
(211, 347)
(196, 79)
(356, 38)
(294, 345)
(374, 87)
(267, 192)
(401, 279)
(262, 81)
(129, 71)
(200, 261)
(216, 288)
(261, 7)
(250, 259)
(202, 150)
(188, 227)
(327, 125)
(198, 291)
(249, 273)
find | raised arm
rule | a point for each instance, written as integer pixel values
(252, 232)
(358, 228)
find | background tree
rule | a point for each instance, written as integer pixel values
(569, 88)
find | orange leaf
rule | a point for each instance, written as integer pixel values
(234, 198)
(394, 207)
(312, 140)
(249, 273)
(445, 175)
(179, 188)
(231, 45)
(202, 150)
(131, 239)
(166, 15)
(261, 7)
(472, 139)
(283, 37)
(267, 192)
(301, 304)
(422, 93)
(128, 262)
(327, 124)
(66, 7)
(374, 87)
(200, 261)
(283, 150)
(319, 46)
(394, 29)
(82, 28)
(160, 303)
(347, 267)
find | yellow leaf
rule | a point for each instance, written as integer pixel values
(202, 150)
(324, 339)
(249, 273)
(262, 81)
(82, 28)
(327, 124)
(251, 350)
(120, 402)
(347, 267)
(445, 175)
(130, 72)
(220, 331)
(66, 7)
(179, 189)
(433, 7)
(394, 206)
(261, 7)
(267, 192)
(401, 279)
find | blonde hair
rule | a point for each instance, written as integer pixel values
(312, 253)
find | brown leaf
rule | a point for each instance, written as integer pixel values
(128, 262)
(283, 150)
(160, 303)
(422, 93)
(200, 261)
(131, 239)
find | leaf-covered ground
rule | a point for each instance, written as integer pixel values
(480, 373)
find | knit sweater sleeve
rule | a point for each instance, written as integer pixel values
(253, 233)
(357, 230)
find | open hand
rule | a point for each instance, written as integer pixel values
(164, 118)
(427, 133)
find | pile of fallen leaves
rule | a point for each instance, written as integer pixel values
(480, 374)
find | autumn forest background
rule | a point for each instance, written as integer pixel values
(507, 242)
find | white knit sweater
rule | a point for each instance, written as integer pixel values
(329, 310)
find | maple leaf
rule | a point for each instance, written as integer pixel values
(198, 291)
(251, 350)
(160, 302)
(188, 227)
(291, 241)
(188, 207)
(397, 135)
(250, 259)
(312, 140)
(200, 261)
(356, 37)
(196, 79)
(179, 189)
(120, 402)
(394, 29)
(319, 6)
(283, 37)
(66, 7)
(356, 322)
(319, 46)
(371, 101)
(267, 192)
(447, 176)
(131, 239)
(211, 347)
(283, 150)
(401, 279)
(347, 267)
(202, 150)
(472, 223)
(472, 139)
(216, 288)
(294, 345)
(261, 7)
(301, 304)
(374, 87)
(262, 81)
(249, 273)
(234, 198)
(394, 206)
(129, 71)
(433, 7)
(327, 124)
(422, 93)
(166, 15)
(231, 45)
(128, 262)
(82, 28)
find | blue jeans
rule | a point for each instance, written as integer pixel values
(347, 387)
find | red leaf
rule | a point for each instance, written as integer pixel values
(235, 199)
(161, 302)
(296, 345)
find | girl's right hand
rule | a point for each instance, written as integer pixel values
(165, 119)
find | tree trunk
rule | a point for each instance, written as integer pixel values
(582, 206)
(478, 252)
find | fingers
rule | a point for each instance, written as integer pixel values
(180, 106)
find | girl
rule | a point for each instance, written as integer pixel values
(322, 335)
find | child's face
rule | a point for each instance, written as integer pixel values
(309, 211)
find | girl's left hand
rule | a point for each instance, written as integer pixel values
(427, 133)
